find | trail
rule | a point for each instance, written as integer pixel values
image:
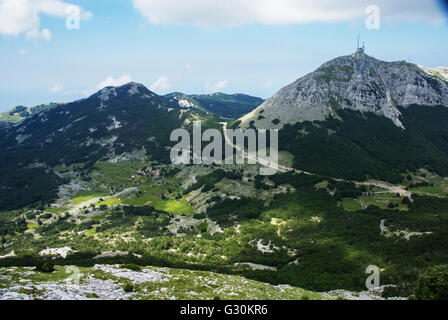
(78, 207)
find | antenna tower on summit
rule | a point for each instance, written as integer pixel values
(358, 48)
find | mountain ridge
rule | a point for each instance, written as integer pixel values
(114, 124)
(219, 104)
(357, 82)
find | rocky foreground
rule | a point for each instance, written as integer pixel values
(115, 282)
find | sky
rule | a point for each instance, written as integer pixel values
(200, 46)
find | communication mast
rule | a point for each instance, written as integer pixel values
(358, 48)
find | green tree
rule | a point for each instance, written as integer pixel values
(433, 284)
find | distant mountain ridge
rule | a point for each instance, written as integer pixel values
(220, 104)
(116, 123)
(21, 112)
(357, 82)
(228, 105)
(130, 112)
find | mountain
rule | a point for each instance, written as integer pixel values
(222, 105)
(108, 123)
(20, 112)
(4, 124)
(381, 118)
(117, 123)
(355, 82)
(185, 101)
(227, 105)
(219, 104)
(438, 72)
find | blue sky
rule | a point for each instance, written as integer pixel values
(195, 48)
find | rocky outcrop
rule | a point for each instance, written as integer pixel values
(357, 82)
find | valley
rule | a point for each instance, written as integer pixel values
(94, 190)
(160, 222)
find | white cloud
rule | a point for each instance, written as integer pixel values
(23, 17)
(55, 89)
(23, 52)
(216, 87)
(114, 82)
(160, 85)
(189, 67)
(44, 34)
(108, 82)
(279, 12)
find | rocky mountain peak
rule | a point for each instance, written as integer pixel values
(130, 88)
(358, 82)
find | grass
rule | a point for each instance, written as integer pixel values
(151, 197)
(173, 206)
(110, 202)
(32, 226)
(90, 232)
(382, 200)
(438, 185)
(5, 116)
(21, 273)
(100, 218)
(177, 206)
(84, 196)
(56, 210)
(434, 190)
(351, 204)
(118, 174)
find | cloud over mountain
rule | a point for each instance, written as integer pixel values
(216, 87)
(160, 85)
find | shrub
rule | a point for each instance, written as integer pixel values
(131, 266)
(45, 266)
(128, 287)
(202, 228)
(433, 284)
(406, 200)
(402, 290)
(199, 216)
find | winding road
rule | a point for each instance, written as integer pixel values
(379, 184)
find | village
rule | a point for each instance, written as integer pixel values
(148, 171)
